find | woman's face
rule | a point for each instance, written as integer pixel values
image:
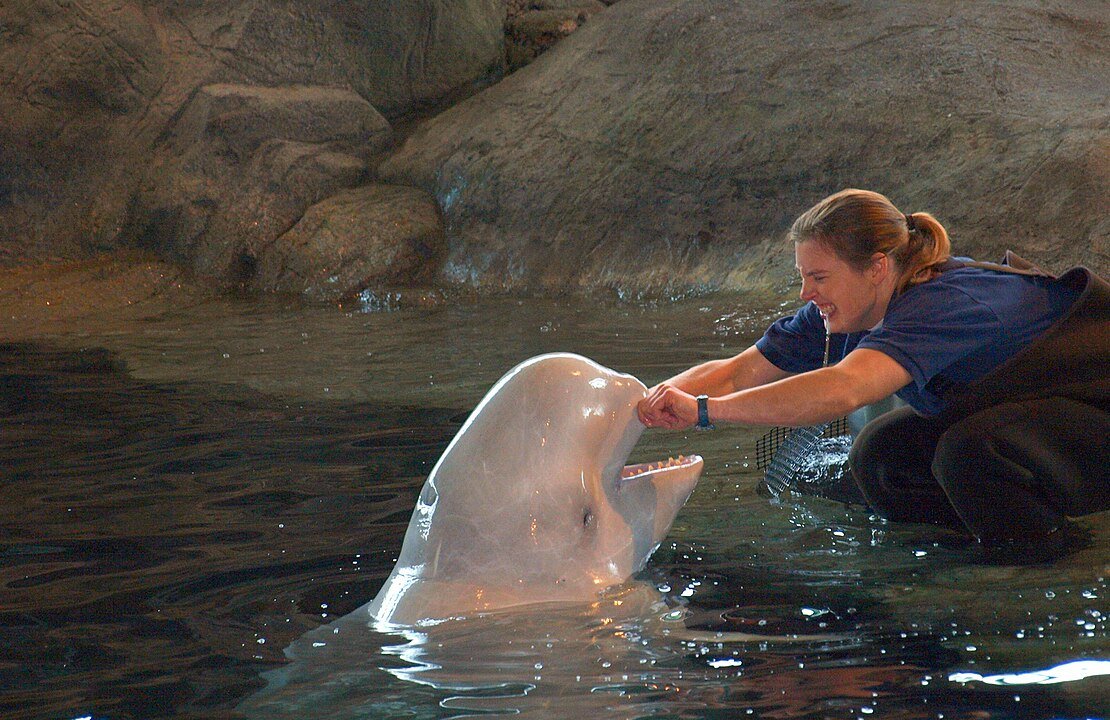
(850, 300)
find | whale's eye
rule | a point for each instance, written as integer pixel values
(587, 518)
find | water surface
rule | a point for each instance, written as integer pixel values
(188, 495)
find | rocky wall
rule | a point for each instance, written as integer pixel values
(650, 145)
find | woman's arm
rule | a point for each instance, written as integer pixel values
(721, 377)
(715, 378)
(863, 377)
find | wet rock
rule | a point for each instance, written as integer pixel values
(241, 167)
(364, 238)
(99, 294)
(668, 145)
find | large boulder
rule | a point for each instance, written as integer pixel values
(668, 144)
(368, 238)
(241, 166)
(76, 84)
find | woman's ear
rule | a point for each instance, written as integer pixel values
(880, 266)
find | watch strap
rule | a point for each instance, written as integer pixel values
(703, 413)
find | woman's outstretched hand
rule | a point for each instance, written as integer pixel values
(665, 406)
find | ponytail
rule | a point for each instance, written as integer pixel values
(856, 224)
(927, 246)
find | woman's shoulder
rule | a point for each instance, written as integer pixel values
(976, 293)
(961, 285)
(974, 283)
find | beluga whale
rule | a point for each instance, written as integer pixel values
(532, 502)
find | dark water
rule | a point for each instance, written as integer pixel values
(182, 499)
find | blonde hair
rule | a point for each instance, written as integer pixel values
(856, 224)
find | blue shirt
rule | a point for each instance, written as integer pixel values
(947, 332)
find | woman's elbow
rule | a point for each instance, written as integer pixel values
(848, 396)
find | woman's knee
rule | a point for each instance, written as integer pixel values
(961, 449)
(1049, 452)
(880, 441)
(890, 461)
(990, 480)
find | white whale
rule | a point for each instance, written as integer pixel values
(531, 502)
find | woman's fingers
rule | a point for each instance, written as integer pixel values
(667, 407)
(649, 409)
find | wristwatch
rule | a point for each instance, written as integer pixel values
(703, 413)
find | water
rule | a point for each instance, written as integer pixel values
(192, 498)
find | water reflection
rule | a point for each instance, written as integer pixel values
(1067, 672)
(627, 655)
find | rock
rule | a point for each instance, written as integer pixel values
(587, 7)
(534, 31)
(95, 295)
(668, 144)
(364, 238)
(516, 8)
(401, 55)
(241, 167)
(243, 116)
(73, 89)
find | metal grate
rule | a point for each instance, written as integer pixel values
(785, 454)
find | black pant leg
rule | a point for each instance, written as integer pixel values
(1014, 471)
(890, 461)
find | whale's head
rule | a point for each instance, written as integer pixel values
(532, 502)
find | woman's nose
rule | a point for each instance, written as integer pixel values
(807, 291)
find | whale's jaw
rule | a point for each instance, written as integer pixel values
(671, 468)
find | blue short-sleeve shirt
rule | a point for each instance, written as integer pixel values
(947, 332)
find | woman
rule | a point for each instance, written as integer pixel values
(1005, 369)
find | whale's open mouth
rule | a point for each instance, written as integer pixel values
(640, 470)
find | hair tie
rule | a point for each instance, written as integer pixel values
(910, 224)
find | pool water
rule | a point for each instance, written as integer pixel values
(194, 504)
